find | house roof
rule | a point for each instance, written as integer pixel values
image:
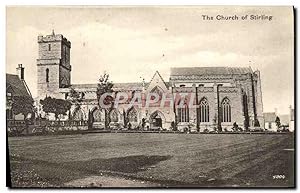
(188, 71)
(16, 85)
(270, 117)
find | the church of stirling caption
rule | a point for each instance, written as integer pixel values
(223, 95)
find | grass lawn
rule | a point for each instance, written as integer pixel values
(199, 160)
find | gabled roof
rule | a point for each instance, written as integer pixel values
(16, 85)
(270, 117)
(188, 71)
(166, 83)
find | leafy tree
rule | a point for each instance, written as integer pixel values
(105, 86)
(277, 121)
(23, 105)
(75, 97)
(55, 106)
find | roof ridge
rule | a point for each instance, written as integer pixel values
(212, 70)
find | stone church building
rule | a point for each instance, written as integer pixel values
(224, 95)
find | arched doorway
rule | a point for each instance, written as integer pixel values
(156, 120)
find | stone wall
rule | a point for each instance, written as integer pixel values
(50, 88)
(64, 77)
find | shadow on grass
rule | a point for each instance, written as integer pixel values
(128, 164)
(39, 173)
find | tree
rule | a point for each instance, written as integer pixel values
(105, 86)
(55, 106)
(75, 97)
(277, 121)
(22, 105)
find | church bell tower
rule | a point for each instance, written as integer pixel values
(53, 65)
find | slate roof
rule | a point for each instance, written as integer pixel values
(188, 71)
(117, 86)
(16, 85)
(84, 85)
(128, 86)
(270, 117)
(121, 86)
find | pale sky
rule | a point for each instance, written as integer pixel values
(130, 43)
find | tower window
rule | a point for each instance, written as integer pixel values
(49, 47)
(47, 75)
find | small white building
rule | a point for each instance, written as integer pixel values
(270, 123)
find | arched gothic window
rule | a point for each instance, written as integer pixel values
(78, 115)
(47, 75)
(97, 115)
(157, 90)
(226, 110)
(114, 116)
(204, 111)
(132, 115)
(183, 113)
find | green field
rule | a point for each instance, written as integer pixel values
(201, 160)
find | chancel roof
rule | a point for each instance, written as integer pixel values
(129, 86)
(117, 86)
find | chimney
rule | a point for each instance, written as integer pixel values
(20, 71)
